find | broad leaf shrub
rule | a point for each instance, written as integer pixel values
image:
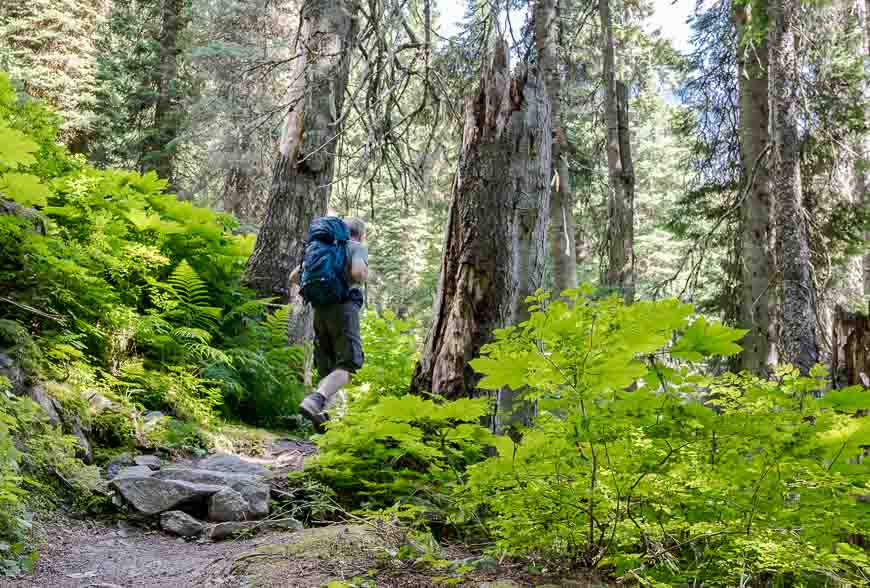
(659, 474)
(391, 447)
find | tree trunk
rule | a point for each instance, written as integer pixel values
(494, 228)
(755, 238)
(619, 274)
(303, 172)
(159, 153)
(863, 173)
(799, 346)
(563, 255)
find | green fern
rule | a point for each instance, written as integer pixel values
(190, 288)
(193, 297)
(276, 325)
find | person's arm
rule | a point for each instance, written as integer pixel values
(359, 269)
(294, 276)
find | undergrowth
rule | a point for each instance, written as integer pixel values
(639, 465)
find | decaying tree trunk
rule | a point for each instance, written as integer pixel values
(304, 169)
(619, 274)
(798, 299)
(563, 251)
(755, 240)
(850, 348)
(159, 153)
(494, 228)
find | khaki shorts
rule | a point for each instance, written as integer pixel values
(337, 342)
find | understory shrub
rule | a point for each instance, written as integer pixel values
(112, 277)
(658, 473)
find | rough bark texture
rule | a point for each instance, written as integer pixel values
(620, 259)
(863, 174)
(531, 168)
(755, 239)
(159, 154)
(850, 349)
(563, 254)
(500, 177)
(304, 168)
(798, 343)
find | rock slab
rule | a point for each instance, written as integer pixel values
(150, 461)
(224, 462)
(180, 523)
(133, 472)
(227, 506)
(152, 496)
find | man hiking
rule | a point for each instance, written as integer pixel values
(333, 272)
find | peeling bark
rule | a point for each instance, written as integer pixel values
(304, 169)
(495, 230)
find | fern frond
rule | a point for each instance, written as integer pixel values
(207, 353)
(277, 324)
(188, 286)
(192, 334)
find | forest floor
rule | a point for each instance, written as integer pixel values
(76, 553)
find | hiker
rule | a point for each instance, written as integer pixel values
(333, 273)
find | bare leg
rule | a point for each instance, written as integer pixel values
(331, 384)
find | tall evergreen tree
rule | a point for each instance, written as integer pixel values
(48, 49)
(798, 296)
(619, 272)
(755, 240)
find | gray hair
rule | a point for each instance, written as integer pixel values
(356, 227)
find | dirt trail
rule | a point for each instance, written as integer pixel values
(94, 554)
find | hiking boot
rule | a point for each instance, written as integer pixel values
(312, 409)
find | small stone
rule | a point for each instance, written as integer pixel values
(500, 584)
(151, 496)
(227, 506)
(233, 464)
(222, 531)
(180, 523)
(134, 472)
(150, 461)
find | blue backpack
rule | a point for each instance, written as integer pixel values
(323, 278)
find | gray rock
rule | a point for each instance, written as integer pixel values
(84, 451)
(227, 506)
(255, 492)
(232, 464)
(117, 463)
(151, 496)
(149, 461)
(133, 472)
(40, 396)
(222, 531)
(180, 523)
(152, 418)
(13, 373)
(500, 584)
